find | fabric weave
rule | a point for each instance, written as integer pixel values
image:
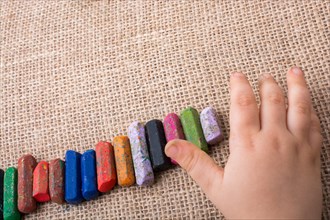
(77, 72)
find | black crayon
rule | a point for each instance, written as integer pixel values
(156, 141)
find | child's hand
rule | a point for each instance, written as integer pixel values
(273, 170)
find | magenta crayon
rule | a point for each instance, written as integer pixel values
(173, 129)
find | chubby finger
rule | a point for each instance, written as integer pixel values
(272, 108)
(299, 109)
(200, 166)
(244, 113)
(315, 133)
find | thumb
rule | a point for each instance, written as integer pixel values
(200, 166)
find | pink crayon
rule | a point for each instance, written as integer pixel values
(173, 129)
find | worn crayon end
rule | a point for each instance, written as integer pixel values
(173, 129)
(211, 126)
(10, 210)
(105, 166)
(40, 182)
(123, 159)
(25, 167)
(73, 177)
(88, 175)
(156, 141)
(192, 128)
(142, 166)
(56, 180)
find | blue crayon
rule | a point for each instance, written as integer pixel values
(88, 175)
(72, 177)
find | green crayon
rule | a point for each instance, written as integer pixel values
(192, 128)
(10, 211)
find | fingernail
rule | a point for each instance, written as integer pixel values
(236, 74)
(171, 150)
(264, 76)
(296, 70)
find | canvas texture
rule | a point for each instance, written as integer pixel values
(77, 72)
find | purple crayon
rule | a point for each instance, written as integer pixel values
(173, 129)
(142, 166)
(211, 126)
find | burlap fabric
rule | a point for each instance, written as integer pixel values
(76, 72)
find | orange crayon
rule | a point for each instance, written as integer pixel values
(124, 162)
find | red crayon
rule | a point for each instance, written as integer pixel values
(105, 166)
(25, 202)
(40, 182)
(56, 181)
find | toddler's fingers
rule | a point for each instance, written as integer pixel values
(244, 114)
(200, 166)
(315, 133)
(272, 109)
(299, 110)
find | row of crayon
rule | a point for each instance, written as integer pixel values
(128, 160)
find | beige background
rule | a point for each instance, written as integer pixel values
(76, 72)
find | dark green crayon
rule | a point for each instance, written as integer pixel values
(10, 211)
(1, 193)
(192, 128)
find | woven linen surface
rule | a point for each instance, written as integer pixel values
(77, 72)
